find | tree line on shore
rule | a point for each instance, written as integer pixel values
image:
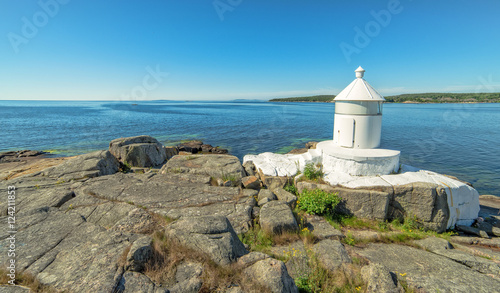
(412, 98)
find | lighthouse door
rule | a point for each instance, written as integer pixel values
(346, 132)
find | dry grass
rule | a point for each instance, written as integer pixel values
(168, 254)
(27, 280)
(122, 261)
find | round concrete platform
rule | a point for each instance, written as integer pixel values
(365, 162)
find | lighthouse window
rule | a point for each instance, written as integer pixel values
(379, 108)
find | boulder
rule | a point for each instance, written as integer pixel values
(193, 146)
(138, 151)
(361, 203)
(297, 151)
(489, 228)
(273, 182)
(133, 282)
(171, 151)
(140, 254)
(188, 278)
(276, 217)
(321, 229)
(331, 254)
(286, 197)
(473, 231)
(428, 271)
(265, 196)
(212, 235)
(250, 182)
(311, 145)
(379, 279)
(90, 165)
(251, 258)
(272, 274)
(249, 168)
(218, 166)
(426, 201)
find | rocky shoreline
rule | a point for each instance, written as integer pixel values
(142, 217)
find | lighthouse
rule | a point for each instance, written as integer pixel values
(358, 115)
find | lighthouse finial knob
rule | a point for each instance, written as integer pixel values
(360, 72)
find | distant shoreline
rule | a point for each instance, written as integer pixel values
(424, 98)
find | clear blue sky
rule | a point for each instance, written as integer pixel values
(229, 49)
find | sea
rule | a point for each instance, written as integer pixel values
(461, 140)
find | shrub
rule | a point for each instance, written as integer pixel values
(312, 172)
(317, 201)
(291, 188)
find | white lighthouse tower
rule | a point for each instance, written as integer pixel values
(358, 115)
(357, 130)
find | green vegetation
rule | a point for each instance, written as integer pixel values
(312, 172)
(317, 202)
(414, 98)
(387, 232)
(320, 98)
(445, 98)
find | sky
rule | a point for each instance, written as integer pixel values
(244, 49)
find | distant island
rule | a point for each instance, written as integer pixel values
(412, 98)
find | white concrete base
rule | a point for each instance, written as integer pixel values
(365, 162)
(463, 200)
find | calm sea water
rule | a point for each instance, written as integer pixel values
(456, 139)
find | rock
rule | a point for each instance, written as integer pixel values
(276, 217)
(212, 235)
(286, 197)
(218, 166)
(138, 151)
(272, 273)
(255, 212)
(14, 289)
(173, 195)
(311, 145)
(297, 151)
(361, 203)
(434, 244)
(86, 261)
(263, 201)
(133, 282)
(136, 221)
(490, 229)
(249, 168)
(265, 196)
(273, 182)
(266, 193)
(331, 254)
(428, 271)
(494, 242)
(139, 254)
(321, 229)
(250, 182)
(428, 202)
(444, 248)
(90, 165)
(473, 231)
(188, 278)
(193, 146)
(251, 258)
(379, 279)
(171, 151)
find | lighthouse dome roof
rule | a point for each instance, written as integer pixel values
(359, 90)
